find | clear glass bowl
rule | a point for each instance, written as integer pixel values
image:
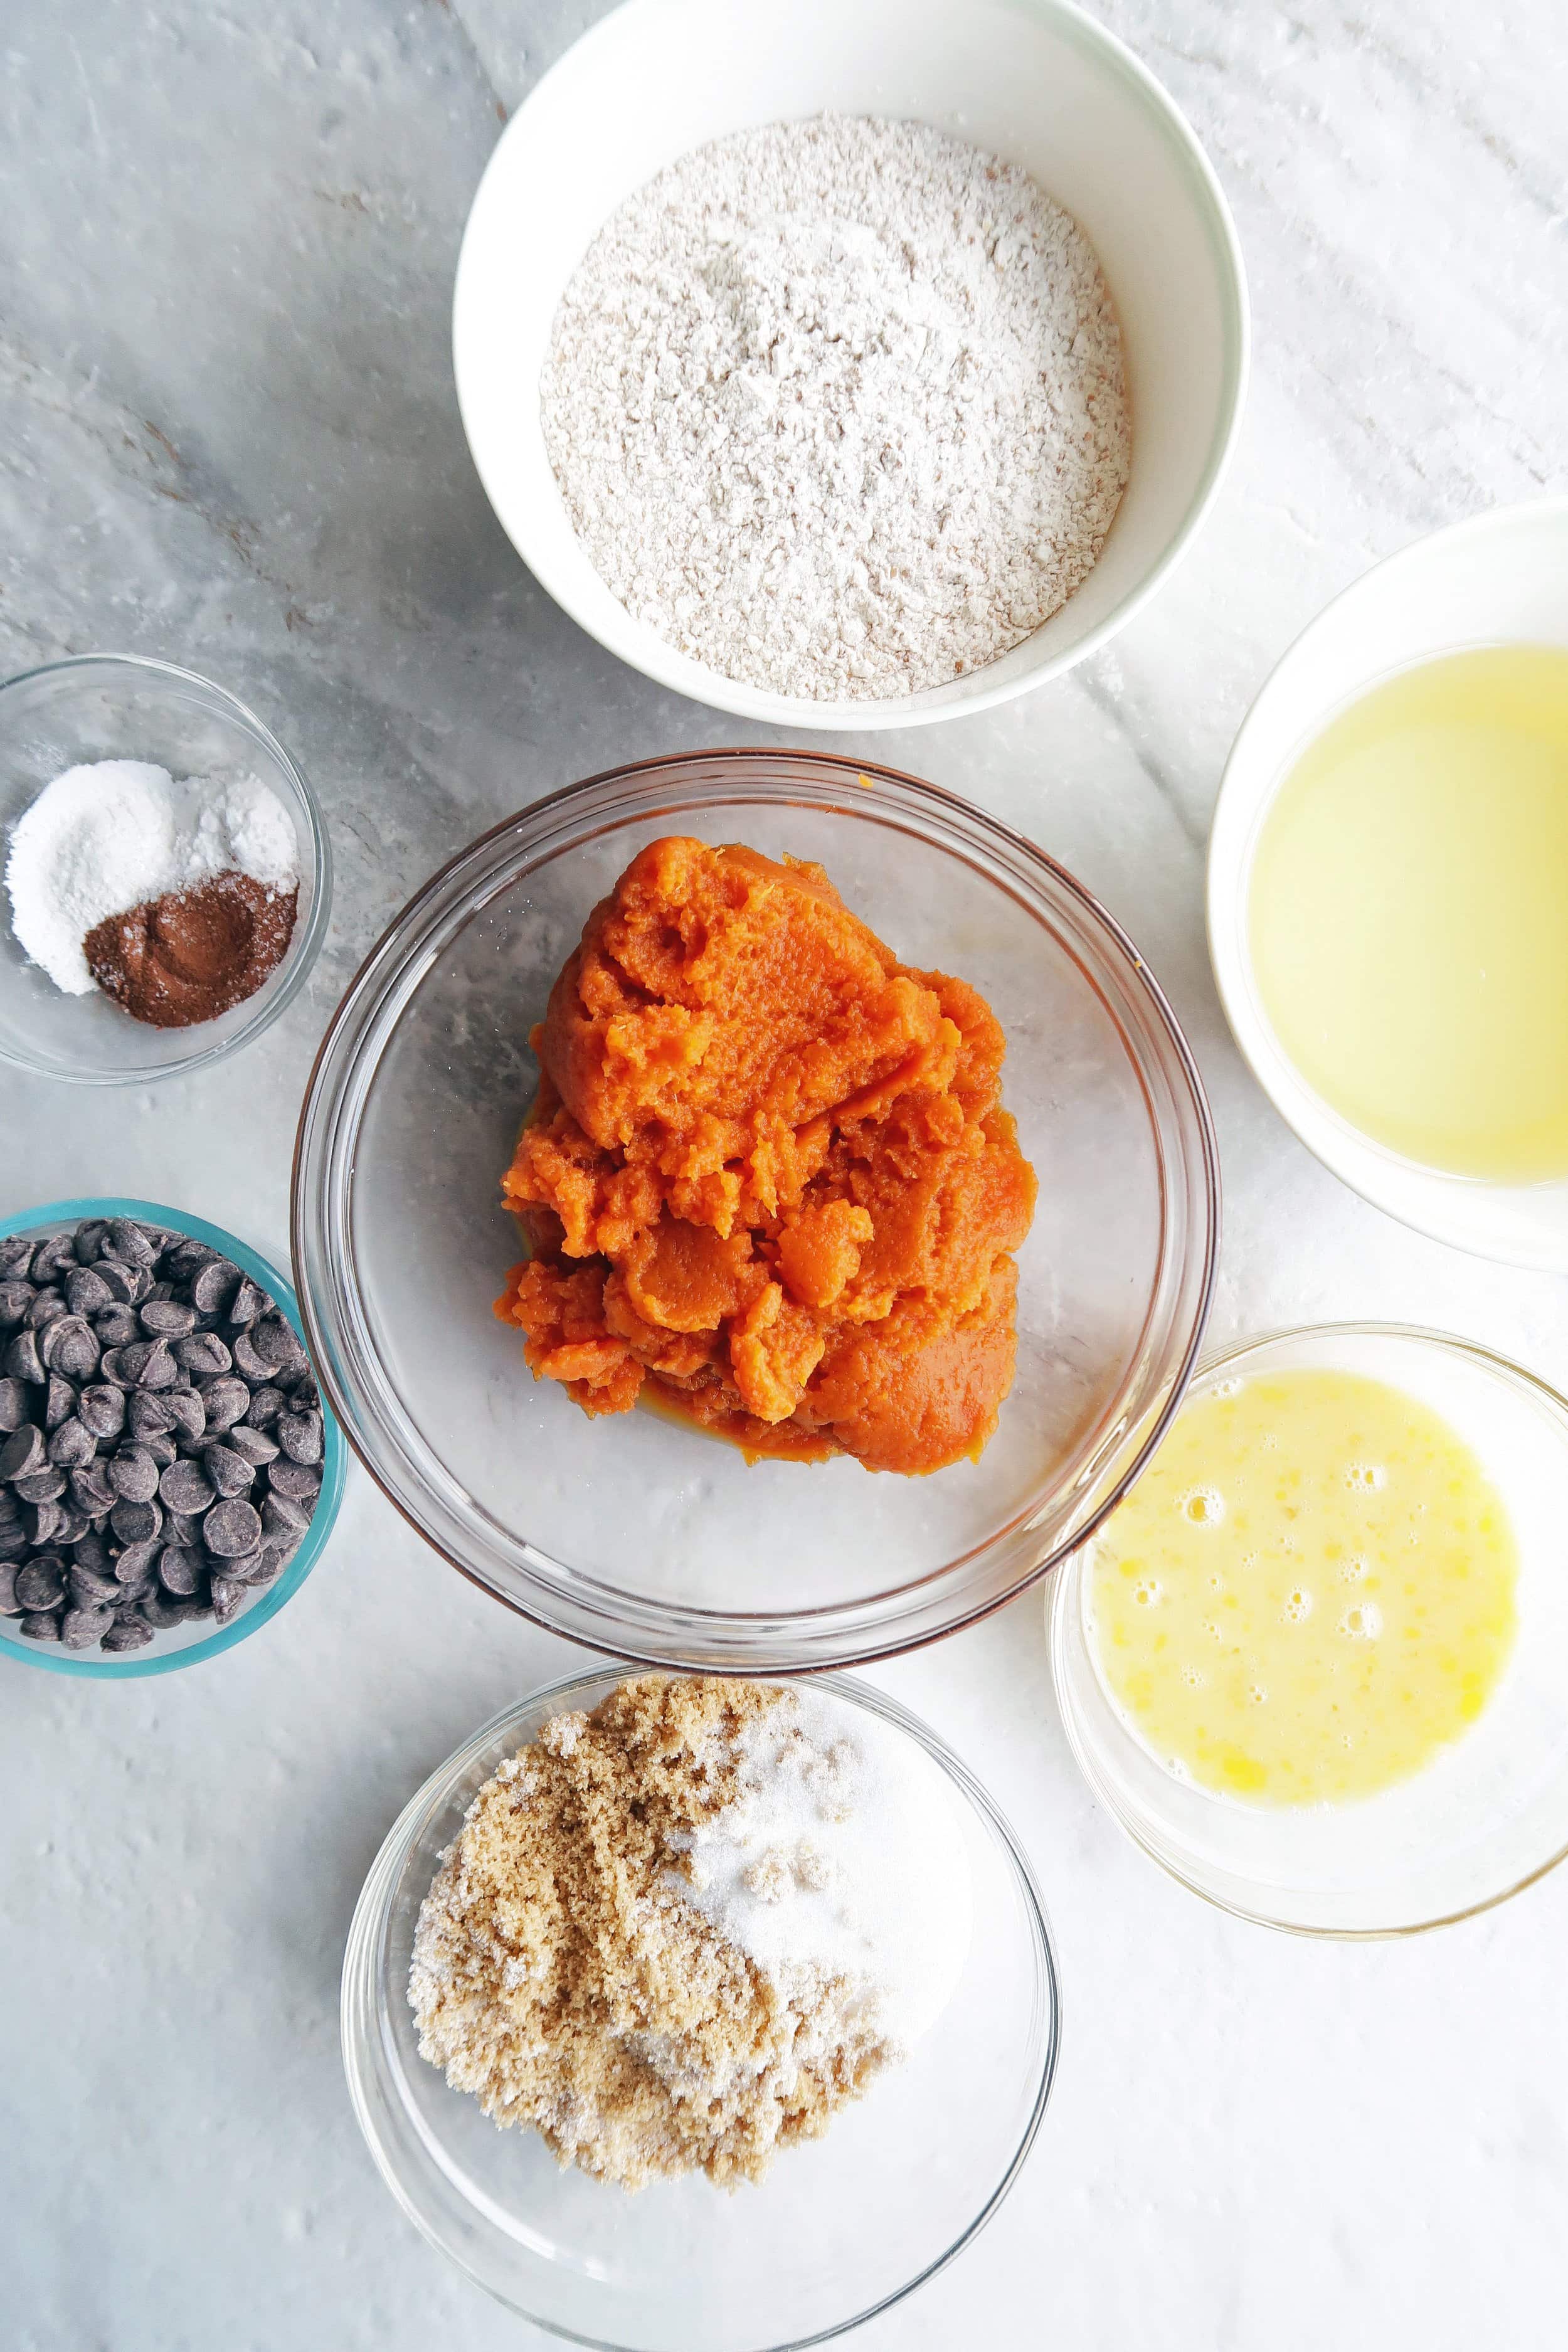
(652, 1541)
(1489, 1815)
(188, 1646)
(841, 2227)
(121, 706)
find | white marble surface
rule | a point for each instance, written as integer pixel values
(228, 436)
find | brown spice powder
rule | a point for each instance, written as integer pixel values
(561, 1978)
(195, 953)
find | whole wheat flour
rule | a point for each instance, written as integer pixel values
(680, 1932)
(838, 407)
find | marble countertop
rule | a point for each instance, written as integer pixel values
(229, 437)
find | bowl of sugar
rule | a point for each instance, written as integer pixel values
(854, 365)
(167, 874)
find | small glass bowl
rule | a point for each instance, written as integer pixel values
(841, 2228)
(188, 1646)
(1489, 1814)
(635, 1536)
(121, 706)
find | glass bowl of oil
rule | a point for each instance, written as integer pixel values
(1388, 886)
(1317, 1664)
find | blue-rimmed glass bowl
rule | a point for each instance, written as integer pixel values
(188, 1646)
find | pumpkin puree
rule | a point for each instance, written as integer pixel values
(767, 1182)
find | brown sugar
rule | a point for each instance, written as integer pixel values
(192, 954)
(767, 1182)
(560, 1977)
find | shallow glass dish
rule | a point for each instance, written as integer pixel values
(188, 1646)
(121, 706)
(841, 2227)
(1489, 1814)
(634, 1535)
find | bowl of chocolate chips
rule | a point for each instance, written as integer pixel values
(166, 871)
(167, 1473)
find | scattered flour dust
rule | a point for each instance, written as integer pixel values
(838, 407)
(681, 1932)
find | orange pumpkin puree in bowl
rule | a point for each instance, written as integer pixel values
(767, 1182)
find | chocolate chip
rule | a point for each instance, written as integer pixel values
(15, 1297)
(54, 1258)
(128, 1633)
(121, 1283)
(87, 1293)
(252, 1445)
(283, 1518)
(231, 1528)
(22, 1451)
(94, 1552)
(182, 1527)
(189, 1413)
(16, 1257)
(265, 1407)
(42, 1584)
(59, 1401)
(162, 1615)
(44, 1522)
(9, 1604)
(167, 1319)
(300, 1435)
(229, 1596)
(112, 1369)
(128, 1243)
(47, 1308)
(185, 1487)
(88, 1588)
(14, 1405)
(72, 1444)
(81, 1628)
(45, 1485)
(230, 1473)
(180, 1571)
(134, 1522)
(14, 1539)
(23, 1361)
(150, 1415)
(298, 1480)
(225, 1401)
(133, 1564)
(203, 1354)
(41, 1627)
(70, 1525)
(214, 1285)
(116, 1326)
(134, 1474)
(87, 1239)
(70, 1345)
(255, 1368)
(102, 1410)
(91, 1490)
(246, 1304)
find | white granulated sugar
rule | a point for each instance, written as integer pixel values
(110, 834)
(838, 407)
(843, 1858)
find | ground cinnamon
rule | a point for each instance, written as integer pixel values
(195, 953)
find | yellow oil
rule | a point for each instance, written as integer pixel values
(1310, 1594)
(1408, 914)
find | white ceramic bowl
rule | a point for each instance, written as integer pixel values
(1035, 81)
(1500, 579)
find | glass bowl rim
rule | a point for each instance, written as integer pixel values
(305, 945)
(308, 1215)
(364, 1960)
(334, 1455)
(1058, 1602)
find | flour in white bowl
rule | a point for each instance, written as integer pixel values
(838, 407)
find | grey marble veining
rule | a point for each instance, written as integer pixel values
(228, 436)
